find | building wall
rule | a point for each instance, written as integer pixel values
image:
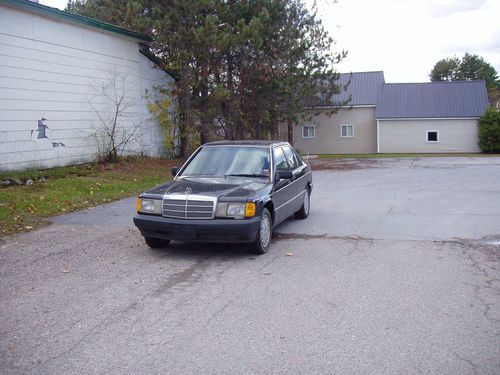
(68, 75)
(410, 136)
(328, 138)
(156, 86)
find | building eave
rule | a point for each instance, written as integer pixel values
(147, 53)
(341, 106)
(425, 118)
(72, 18)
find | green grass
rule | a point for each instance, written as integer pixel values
(74, 188)
(378, 156)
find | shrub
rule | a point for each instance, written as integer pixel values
(489, 131)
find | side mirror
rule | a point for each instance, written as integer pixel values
(174, 171)
(284, 175)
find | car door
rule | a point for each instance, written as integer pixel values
(299, 181)
(283, 189)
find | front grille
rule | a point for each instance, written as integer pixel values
(189, 206)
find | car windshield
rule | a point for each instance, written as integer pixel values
(230, 161)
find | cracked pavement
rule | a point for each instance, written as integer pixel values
(395, 271)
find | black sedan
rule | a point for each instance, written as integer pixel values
(235, 191)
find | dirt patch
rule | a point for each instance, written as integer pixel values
(140, 165)
(318, 164)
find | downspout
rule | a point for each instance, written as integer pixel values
(378, 137)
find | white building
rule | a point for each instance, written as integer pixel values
(60, 76)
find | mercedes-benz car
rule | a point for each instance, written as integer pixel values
(232, 191)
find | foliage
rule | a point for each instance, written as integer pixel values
(469, 67)
(164, 112)
(489, 131)
(243, 66)
(445, 69)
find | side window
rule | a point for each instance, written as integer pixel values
(347, 131)
(300, 162)
(308, 131)
(280, 160)
(290, 157)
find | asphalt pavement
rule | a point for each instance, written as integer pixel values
(395, 271)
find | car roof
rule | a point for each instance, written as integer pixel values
(246, 143)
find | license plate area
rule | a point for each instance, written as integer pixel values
(184, 232)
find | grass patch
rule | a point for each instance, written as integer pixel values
(379, 156)
(68, 189)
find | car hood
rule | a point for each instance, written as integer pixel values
(230, 187)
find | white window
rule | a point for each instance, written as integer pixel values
(432, 136)
(347, 130)
(308, 131)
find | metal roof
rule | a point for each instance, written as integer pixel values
(363, 88)
(456, 99)
(71, 17)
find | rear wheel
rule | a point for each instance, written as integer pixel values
(306, 206)
(264, 234)
(156, 243)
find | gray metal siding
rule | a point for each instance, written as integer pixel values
(455, 135)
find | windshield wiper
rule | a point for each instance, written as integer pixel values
(245, 175)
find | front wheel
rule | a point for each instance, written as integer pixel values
(306, 206)
(156, 243)
(264, 234)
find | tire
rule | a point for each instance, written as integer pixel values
(156, 243)
(306, 206)
(264, 234)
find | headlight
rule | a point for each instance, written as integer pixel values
(235, 210)
(149, 206)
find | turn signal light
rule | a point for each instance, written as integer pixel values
(249, 209)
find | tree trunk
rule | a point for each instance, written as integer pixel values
(185, 120)
(228, 108)
(205, 117)
(290, 130)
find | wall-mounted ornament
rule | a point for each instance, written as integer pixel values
(41, 129)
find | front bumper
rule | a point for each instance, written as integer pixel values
(215, 230)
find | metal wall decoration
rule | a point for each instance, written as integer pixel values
(42, 133)
(41, 129)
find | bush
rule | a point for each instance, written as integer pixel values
(489, 131)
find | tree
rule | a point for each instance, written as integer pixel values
(243, 66)
(489, 131)
(114, 130)
(470, 67)
(445, 69)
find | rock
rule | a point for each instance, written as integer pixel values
(42, 179)
(5, 183)
(29, 182)
(17, 181)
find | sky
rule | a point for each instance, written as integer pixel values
(405, 38)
